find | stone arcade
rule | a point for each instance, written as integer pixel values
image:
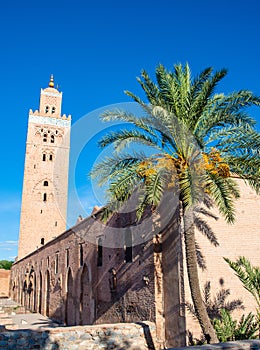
(90, 275)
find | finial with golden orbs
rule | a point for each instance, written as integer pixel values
(51, 83)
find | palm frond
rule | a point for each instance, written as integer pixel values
(246, 168)
(249, 276)
(204, 98)
(123, 138)
(124, 183)
(154, 188)
(223, 191)
(135, 98)
(226, 111)
(230, 136)
(110, 166)
(120, 115)
(150, 88)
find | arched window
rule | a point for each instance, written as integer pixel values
(51, 157)
(128, 246)
(100, 253)
(45, 183)
(44, 157)
(56, 268)
(67, 257)
(52, 138)
(42, 241)
(53, 110)
(81, 255)
(47, 109)
(44, 137)
(45, 197)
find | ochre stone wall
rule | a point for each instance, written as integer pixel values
(240, 239)
(62, 280)
(4, 282)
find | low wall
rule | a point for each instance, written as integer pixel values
(130, 336)
(4, 282)
(232, 345)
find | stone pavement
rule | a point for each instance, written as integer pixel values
(13, 316)
(20, 329)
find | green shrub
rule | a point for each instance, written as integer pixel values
(5, 264)
(228, 329)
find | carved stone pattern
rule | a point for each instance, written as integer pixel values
(49, 121)
(42, 130)
(51, 100)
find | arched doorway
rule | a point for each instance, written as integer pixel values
(24, 299)
(18, 297)
(40, 294)
(84, 308)
(34, 294)
(30, 293)
(15, 289)
(47, 294)
(70, 311)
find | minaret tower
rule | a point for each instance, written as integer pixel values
(45, 185)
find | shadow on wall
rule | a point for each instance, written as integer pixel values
(132, 300)
(147, 335)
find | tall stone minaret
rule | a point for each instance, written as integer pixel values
(45, 185)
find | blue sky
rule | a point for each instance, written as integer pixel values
(95, 51)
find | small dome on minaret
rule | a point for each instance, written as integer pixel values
(51, 82)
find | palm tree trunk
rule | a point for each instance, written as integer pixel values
(192, 268)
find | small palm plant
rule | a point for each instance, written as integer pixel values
(229, 329)
(250, 277)
(215, 306)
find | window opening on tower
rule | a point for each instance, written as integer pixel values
(100, 253)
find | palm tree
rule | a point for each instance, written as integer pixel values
(250, 277)
(198, 138)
